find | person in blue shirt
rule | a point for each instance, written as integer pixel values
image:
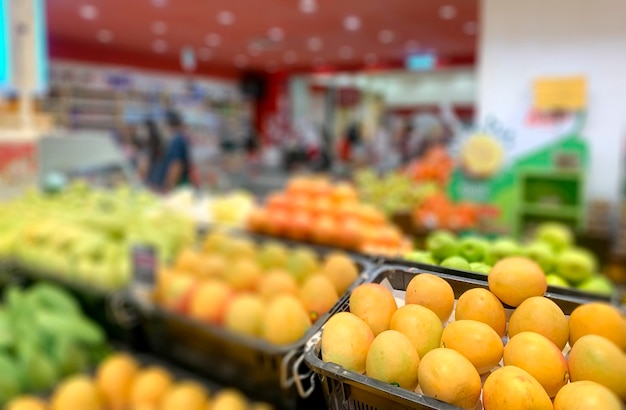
(172, 168)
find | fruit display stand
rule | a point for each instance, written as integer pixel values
(345, 389)
(550, 196)
(255, 366)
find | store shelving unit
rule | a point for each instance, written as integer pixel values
(550, 195)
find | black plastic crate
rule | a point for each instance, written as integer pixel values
(347, 390)
(257, 367)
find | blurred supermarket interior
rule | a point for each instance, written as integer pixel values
(443, 134)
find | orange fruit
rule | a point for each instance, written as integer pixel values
(26, 403)
(374, 304)
(185, 395)
(285, 320)
(391, 358)
(189, 260)
(447, 375)
(515, 279)
(150, 386)
(540, 357)
(432, 292)
(483, 306)
(598, 359)
(512, 388)
(209, 301)
(229, 399)
(115, 378)
(598, 318)
(318, 295)
(540, 315)
(420, 325)
(346, 339)
(478, 342)
(276, 282)
(586, 395)
(243, 275)
(244, 314)
(212, 266)
(341, 271)
(77, 392)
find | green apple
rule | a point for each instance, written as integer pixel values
(480, 267)
(420, 257)
(598, 284)
(555, 280)
(575, 265)
(502, 248)
(442, 244)
(456, 262)
(473, 249)
(557, 235)
(542, 253)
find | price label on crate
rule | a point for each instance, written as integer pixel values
(144, 260)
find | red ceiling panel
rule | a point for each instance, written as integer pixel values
(123, 31)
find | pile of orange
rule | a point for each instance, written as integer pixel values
(465, 352)
(262, 290)
(120, 383)
(313, 209)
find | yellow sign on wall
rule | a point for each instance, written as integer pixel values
(560, 93)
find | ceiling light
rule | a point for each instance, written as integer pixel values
(241, 61)
(447, 12)
(225, 18)
(308, 6)
(213, 40)
(370, 59)
(470, 28)
(105, 36)
(352, 23)
(290, 57)
(276, 34)
(159, 46)
(345, 52)
(204, 54)
(314, 43)
(88, 11)
(159, 28)
(159, 3)
(386, 36)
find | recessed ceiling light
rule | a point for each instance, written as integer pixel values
(470, 28)
(276, 33)
(213, 40)
(240, 61)
(290, 57)
(308, 6)
(204, 54)
(370, 59)
(386, 36)
(105, 36)
(411, 45)
(225, 18)
(159, 3)
(314, 43)
(352, 23)
(159, 27)
(345, 52)
(159, 46)
(88, 11)
(447, 12)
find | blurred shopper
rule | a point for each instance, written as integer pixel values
(150, 161)
(385, 152)
(169, 164)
